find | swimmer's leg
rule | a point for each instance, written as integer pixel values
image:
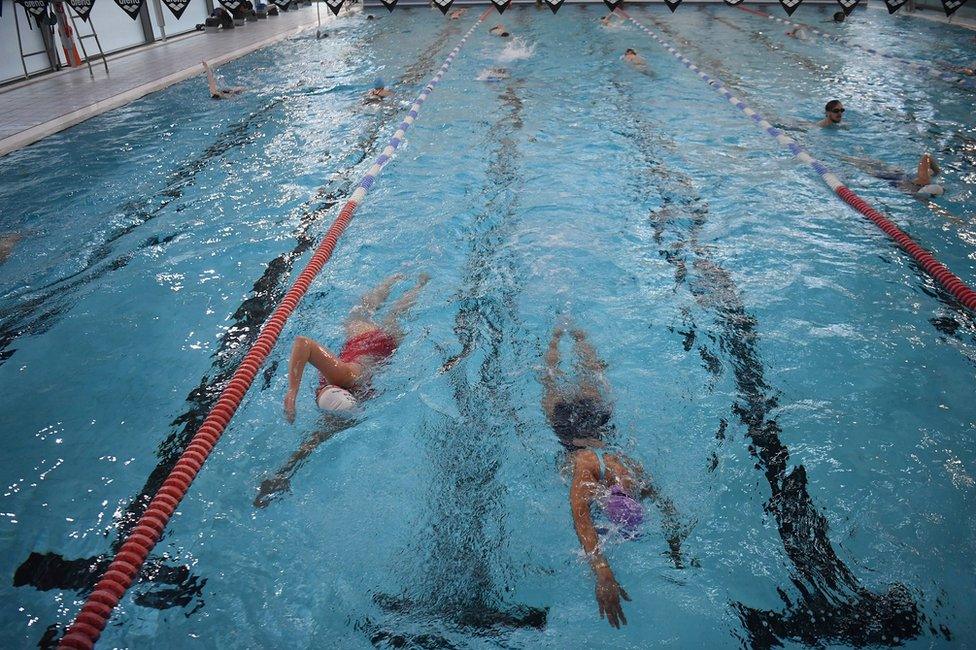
(371, 300)
(592, 382)
(402, 306)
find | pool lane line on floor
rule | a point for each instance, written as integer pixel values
(949, 280)
(97, 610)
(917, 67)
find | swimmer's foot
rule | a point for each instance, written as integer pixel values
(271, 489)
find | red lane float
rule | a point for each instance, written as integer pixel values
(94, 615)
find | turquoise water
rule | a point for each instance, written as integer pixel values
(760, 339)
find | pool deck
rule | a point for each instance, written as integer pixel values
(38, 107)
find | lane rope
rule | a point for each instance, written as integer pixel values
(950, 281)
(94, 615)
(917, 67)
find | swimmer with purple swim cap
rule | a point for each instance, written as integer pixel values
(580, 415)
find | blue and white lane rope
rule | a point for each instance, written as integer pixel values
(917, 67)
(951, 282)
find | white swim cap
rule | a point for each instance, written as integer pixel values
(930, 190)
(333, 398)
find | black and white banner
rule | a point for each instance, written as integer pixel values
(82, 7)
(131, 7)
(443, 5)
(847, 5)
(34, 7)
(672, 4)
(790, 5)
(733, 3)
(389, 4)
(177, 7)
(894, 5)
(950, 6)
(554, 5)
(612, 4)
(334, 5)
(232, 4)
(501, 5)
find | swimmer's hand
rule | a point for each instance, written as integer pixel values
(608, 595)
(290, 406)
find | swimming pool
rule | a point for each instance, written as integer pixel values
(744, 314)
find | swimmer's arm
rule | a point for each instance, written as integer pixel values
(304, 351)
(211, 80)
(925, 169)
(551, 374)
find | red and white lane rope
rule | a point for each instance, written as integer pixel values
(950, 281)
(917, 67)
(94, 615)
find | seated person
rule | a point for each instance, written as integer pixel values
(219, 93)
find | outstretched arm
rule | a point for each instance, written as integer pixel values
(586, 477)
(211, 80)
(552, 375)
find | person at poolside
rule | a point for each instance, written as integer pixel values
(920, 185)
(219, 93)
(343, 379)
(499, 30)
(7, 243)
(378, 92)
(631, 56)
(833, 113)
(580, 415)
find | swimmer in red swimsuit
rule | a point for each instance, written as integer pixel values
(343, 378)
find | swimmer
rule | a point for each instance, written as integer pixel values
(220, 93)
(493, 74)
(632, 57)
(456, 14)
(607, 20)
(833, 113)
(343, 380)
(797, 33)
(580, 415)
(499, 30)
(7, 243)
(839, 16)
(920, 185)
(378, 92)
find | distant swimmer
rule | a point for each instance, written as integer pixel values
(378, 92)
(7, 243)
(797, 32)
(608, 20)
(631, 56)
(499, 30)
(220, 93)
(605, 482)
(920, 185)
(456, 14)
(839, 16)
(833, 113)
(493, 74)
(343, 379)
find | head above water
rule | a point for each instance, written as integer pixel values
(378, 83)
(630, 52)
(834, 110)
(839, 16)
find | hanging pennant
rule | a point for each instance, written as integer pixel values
(672, 4)
(82, 7)
(231, 5)
(950, 6)
(501, 5)
(733, 3)
(131, 7)
(612, 4)
(443, 5)
(894, 5)
(35, 8)
(790, 5)
(389, 4)
(334, 5)
(847, 5)
(554, 5)
(177, 7)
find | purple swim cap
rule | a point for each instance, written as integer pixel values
(623, 510)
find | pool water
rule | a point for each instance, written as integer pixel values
(795, 386)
